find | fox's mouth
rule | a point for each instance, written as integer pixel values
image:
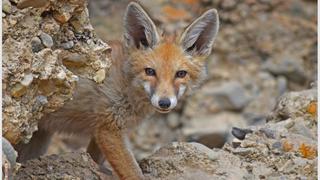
(164, 111)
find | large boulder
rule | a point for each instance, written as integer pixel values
(47, 45)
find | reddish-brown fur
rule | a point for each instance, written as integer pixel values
(167, 58)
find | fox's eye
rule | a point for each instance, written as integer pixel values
(181, 74)
(150, 71)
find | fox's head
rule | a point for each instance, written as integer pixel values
(165, 68)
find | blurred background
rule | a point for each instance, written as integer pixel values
(264, 48)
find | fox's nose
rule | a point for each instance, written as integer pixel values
(164, 103)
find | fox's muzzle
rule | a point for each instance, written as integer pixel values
(164, 104)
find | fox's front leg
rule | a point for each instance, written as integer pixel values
(112, 145)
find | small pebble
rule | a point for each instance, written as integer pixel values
(42, 99)
(6, 6)
(46, 40)
(240, 133)
(18, 90)
(277, 145)
(9, 151)
(67, 45)
(75, 58)
(62, 17)
(61, 75)
(27, 80)
(100, 76)
(36, 44)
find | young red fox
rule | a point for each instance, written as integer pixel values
(149, 72)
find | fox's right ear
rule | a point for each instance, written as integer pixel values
(140, 31)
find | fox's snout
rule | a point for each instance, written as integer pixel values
(163, 104)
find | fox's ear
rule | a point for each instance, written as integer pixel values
(197, 39)
(140, 31)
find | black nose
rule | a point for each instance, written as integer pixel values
(164, 103)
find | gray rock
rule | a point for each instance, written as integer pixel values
(192, 161)
(9, 152)
(36, 44)
(42, 99)
(270, 133)
(46, 40)
(6, 6)
(289, 67)
(231, 95)
(27, 80)
(293, 105)
(240, 133)
(277, 145)
(67, 45)
(213, 130)
(300, 128)
(282, 84)
(74, 58)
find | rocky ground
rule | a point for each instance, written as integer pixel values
(264, 50)
(283, 148)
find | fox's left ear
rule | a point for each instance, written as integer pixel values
(197, 39)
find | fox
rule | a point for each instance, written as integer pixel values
(149, 73)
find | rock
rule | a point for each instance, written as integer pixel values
(27, 80)
(282, 84)
(74, 59)
(295, 104)
(62, 17)
(288, 67)
(42, 99)
(191, 161)
(300, 128)
(213, 130)
(33, 61)
(46, 40)
(231, 95)
(65, 166)
(67, 45)
(228, 4)
(18, 90)
(36, 44)
(100, 76)
(32, 3)
(9, 152)
(6, 6)
(61, 75)
(9, 157)
(240, 133)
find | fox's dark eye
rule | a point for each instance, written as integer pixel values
(181, 74)
(150, 71)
